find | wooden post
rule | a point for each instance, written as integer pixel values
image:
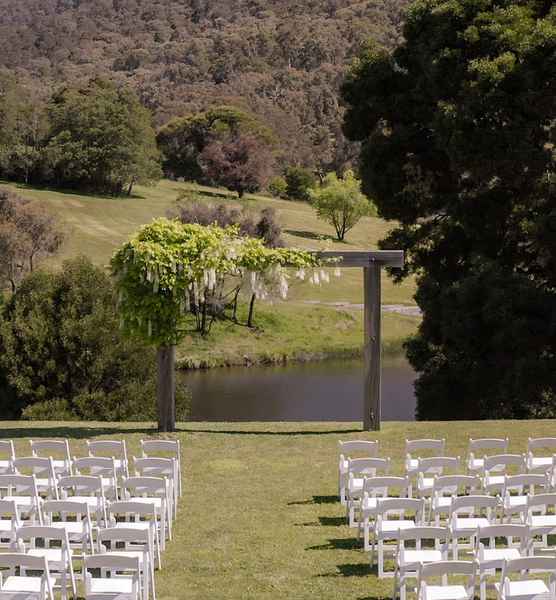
(166, 388)
(372, 347)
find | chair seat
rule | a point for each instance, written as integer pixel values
(465, 525)
(543, 523)
(476, 464)
(43, 483)
(425, 484)
(412, 464)
(412, 558)
(6, 525)
(525, 589)
(24, 502)
(540, 462)
(389, 529)
(23, 584)
(369, 504)
(495, 481)
(494, 557)
(343, 465)
(356, 485)
(445, 592)
(442, 502)
(515, 502)
(114, 585)
(53, 555)
(151, 500)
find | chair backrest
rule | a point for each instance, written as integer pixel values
(81, 510)
(499, 462)
(11, 560)
(111, 562)
(424, 532)
(45, 532)
(9, 508)
(7, 449)
(401, 506)
(541, 500)
(452, 485)
(449, 567)
(368, 466)
(155, 466)
(476, 445)
(541, 442)
(436, 464)
(95, 465)
(111, 448)
(60, 447)
(529, 563)
(473, 505)
(123, 534)
(363, 448)
(525, 481)
(502, 531)
(129, 507)
(35, 464)
(151, 447)
(412, 446)
(79, 485)
(24, 485)
(381, 487)
(145, 485)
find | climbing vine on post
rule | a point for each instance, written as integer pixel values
(168, 262)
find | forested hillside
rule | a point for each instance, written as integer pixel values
(280, 59)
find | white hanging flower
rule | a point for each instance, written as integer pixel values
(283, 287)
(300, 274)
(316, 279)
(325, 278)
(211, 279)
(253, 280)
(337, 272)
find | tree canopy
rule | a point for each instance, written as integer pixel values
(457, 126)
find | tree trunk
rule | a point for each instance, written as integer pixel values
(166, 388)
(251, 310)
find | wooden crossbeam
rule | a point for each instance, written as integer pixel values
(384, 258)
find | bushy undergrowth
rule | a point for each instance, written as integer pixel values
(62, 355)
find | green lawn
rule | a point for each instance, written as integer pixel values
(259, 517)
(96, 226)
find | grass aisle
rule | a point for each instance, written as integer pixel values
(259, 517)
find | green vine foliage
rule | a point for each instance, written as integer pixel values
(168, 262)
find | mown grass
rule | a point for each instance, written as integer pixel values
(259, 517)
(95, 226)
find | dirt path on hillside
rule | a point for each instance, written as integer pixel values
(402, 309)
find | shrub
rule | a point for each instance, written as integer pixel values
(299, 181)
(278, 187)
(62, 354)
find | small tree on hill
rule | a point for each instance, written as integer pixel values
(157, 269)
(242, 163)
(340, 202)
(298, 182)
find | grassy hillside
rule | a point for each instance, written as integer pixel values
(259, 517)
(96, 226)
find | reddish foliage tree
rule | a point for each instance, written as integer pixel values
(241, 163)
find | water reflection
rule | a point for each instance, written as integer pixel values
(321, 391)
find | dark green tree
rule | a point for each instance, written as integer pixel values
(457, 125)
(299, 181)
(101, 138)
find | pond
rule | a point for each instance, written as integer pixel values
(319, 391)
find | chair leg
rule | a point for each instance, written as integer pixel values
(483, 588)
(455, 548)
(380, 545)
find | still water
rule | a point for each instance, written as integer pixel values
(318, 391)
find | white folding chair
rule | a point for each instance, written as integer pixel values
(22, 489)
(528, 588)
(87, 489)
(496, 468)
(427, 468)
(410, 513)
(358, 470)
(99, 466)
(136, 515)
(151, 490)
(137, 543)
(447, 590)
(154, 448)
(408, 560)
(348, 450)
(58, 450)
(540, 464)
(445, 488)
(541, 518)
(160, 467)
(43, 469)
(375, 489)
(493, 556)
(477, 450)
(115, 449)
(8, 451)
(22, 586)
(516, 492)
(9, 523)
(124, 582)
(59, 558)
(477, 511)
(412, 447)
(74, 518)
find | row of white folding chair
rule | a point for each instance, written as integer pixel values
(507, 588)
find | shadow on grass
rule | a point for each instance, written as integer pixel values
(311, 235)
(351, 570)
(316, 500)
(338, 544)
(73, 432)
(280, 433)
(70, 191)
(324, 522)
